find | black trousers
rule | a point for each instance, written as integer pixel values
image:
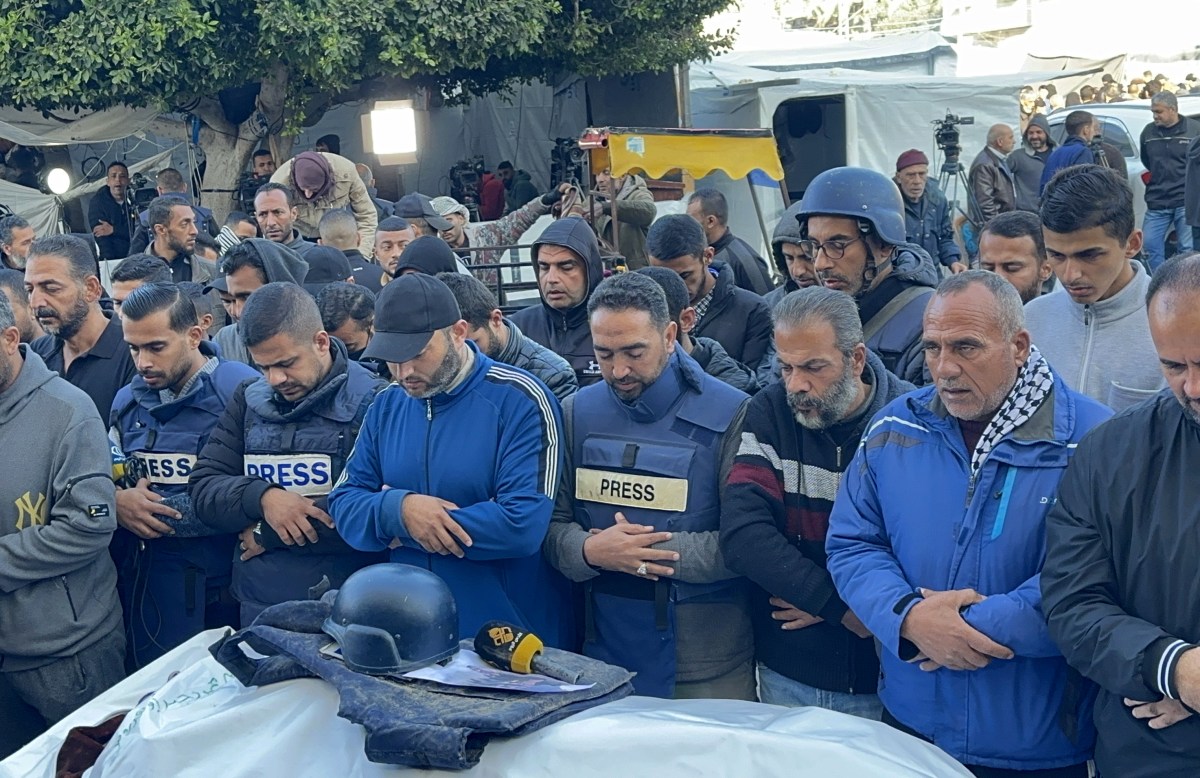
(1074, 771)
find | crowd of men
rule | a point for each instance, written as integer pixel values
(856, 474)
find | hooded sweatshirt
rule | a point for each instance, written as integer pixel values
(58, 586)
(1103, 349)
(787, 231)
(566, 332)
(280, 263)
(1027, 165)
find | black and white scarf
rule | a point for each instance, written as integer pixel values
(1029, 392)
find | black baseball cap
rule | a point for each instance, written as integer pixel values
(325, 266)
(418, 206)
(407, 313)
(217, 282)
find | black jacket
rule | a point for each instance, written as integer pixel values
(366, 273)
(1119, 585)
(1164, 153)
(898, 341)
(773, 531)
(532, 357)
(121, 216)
(738, 320)
(927, 222)
(715, 361)
(567, 333)
(750, 271)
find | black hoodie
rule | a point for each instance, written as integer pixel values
(566, 332)
(280, 263)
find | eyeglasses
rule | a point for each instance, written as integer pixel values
(834, 249)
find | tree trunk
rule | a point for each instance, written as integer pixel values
(229, 148)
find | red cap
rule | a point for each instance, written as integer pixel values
(910, 158)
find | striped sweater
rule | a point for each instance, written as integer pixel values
(774, 518)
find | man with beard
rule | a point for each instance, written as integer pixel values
(174, 574)
(926, 211)
(275, 211)
(1096, 336)
(503, 341)
(811, 648)
(937, 537)
(852, 220)
(710, 210)
(12, 286)
(456, 466)
(82, 344)
(172, 225)
(1012, 246)
(277, 450)
(638, 513)
(16, 236)
(391, 239)
(795, 267)
(1027, 163)
(1119, 584)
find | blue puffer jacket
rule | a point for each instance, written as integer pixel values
(891, 533)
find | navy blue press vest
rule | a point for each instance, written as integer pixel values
(303, 450)
(658, 463)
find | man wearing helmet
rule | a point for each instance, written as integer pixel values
(852, 220)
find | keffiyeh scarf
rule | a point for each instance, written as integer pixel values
(1028, 393)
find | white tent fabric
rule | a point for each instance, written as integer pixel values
(922, 53)
(884, 113)
(43, 211)
(202, 723)
(30, 127)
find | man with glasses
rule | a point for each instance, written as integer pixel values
(852, 222)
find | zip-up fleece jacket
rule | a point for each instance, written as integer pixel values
(566, 332)
(891, 533)
(58, 586)
(774, 519)
(1103, 349)
(493, 446)
(1164, 153)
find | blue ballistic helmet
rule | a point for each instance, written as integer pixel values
(393, 618)
(856, 193)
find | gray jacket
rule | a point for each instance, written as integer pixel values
(58, 586)
(529, 355)
(1102, 350)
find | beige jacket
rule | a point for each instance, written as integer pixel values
(348, 192)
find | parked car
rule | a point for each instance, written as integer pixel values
(1121, 124)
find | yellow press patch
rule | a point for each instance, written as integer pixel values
(629, 490)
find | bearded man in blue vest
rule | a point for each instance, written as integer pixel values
(278, 449)
(637, 516)
(174, 570)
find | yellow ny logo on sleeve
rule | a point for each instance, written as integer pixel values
(30, 512)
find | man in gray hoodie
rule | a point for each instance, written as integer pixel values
(1027, 162)
(251, 264)
(61, 639)
(1096, 335)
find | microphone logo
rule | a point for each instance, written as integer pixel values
(501, 635)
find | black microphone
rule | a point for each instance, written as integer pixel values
(518, 650)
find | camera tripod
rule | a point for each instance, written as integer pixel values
(950, 179)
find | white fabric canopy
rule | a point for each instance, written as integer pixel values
(203, 723)
(30, 127)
